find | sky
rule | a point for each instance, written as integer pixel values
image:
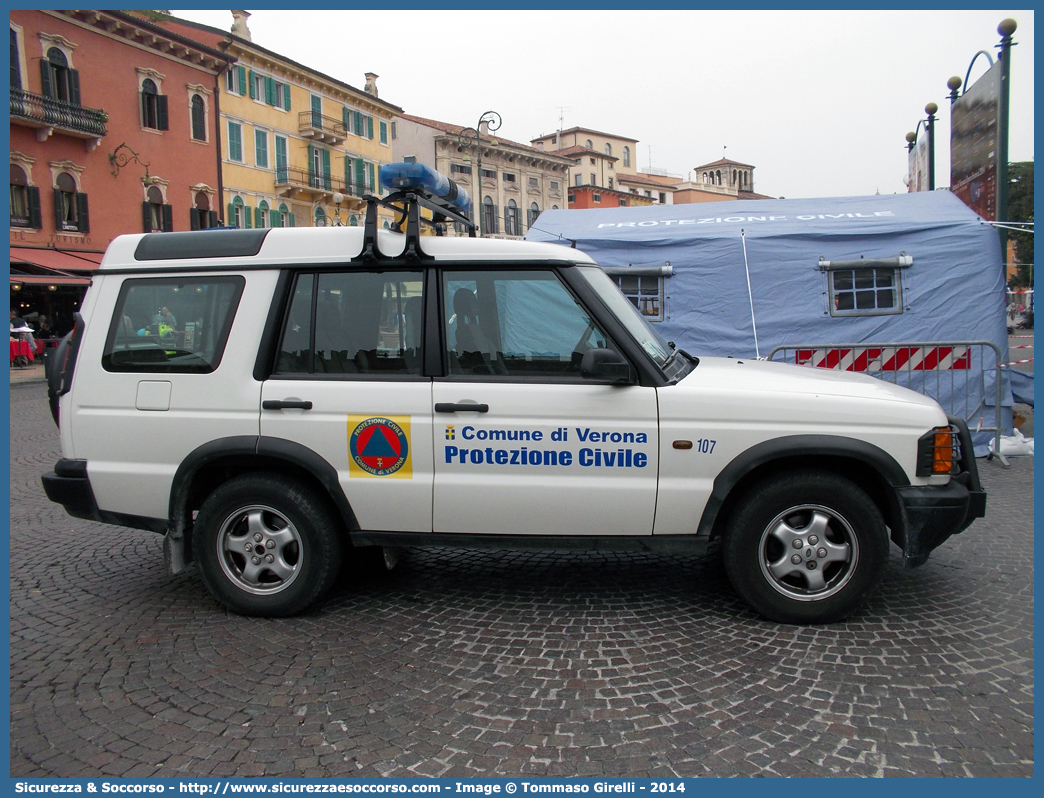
(819, 102)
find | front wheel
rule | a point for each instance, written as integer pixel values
(267, 545)
(807, 547)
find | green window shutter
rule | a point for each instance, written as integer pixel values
(369, 177)
(242, 80)
(286, 96)
(253, 96)
(384, 132)
(293, 220)
(261, 148)
(235, 142)
(348, 174)
(369, 127)
(231, 218)
(358, 123)
(311, 165)
(257, 217)
(246, 217)
(269, 90)
(345, 109)
(162, 120)
(326, 169)
(360, 174)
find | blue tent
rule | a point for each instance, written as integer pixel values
(740, 278)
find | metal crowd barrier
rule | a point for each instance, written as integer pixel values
(951, 372)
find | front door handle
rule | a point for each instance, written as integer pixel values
(460, 407)
(285, 404)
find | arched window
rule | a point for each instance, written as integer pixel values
(353, 221)
(534, 212)
(718, 173)
(263, 217)
(490, 221)
(608, 149)
(320, 218)
(199, 115)
(65, 202)
(154, 200)
(237, 215)
(153, 106)
(284, 216)
(589, 144)
(511, 221)
(60, 82)
(627, 156)
(733, 177)
(19, 197)
(200, 215)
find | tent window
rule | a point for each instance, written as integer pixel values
(865, 292)
(645, 293)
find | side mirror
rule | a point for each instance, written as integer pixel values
(605, 365)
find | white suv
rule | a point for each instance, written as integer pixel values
(271, 399)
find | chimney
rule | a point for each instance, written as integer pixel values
(371, 84)
(239, 25)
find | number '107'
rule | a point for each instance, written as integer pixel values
(705, 446)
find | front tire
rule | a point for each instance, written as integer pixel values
(807, 547)
(267, 545)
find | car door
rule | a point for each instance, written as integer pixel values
(347, 384)
(523, 444)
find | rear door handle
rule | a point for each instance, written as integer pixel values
(460, 407)
(285, 404)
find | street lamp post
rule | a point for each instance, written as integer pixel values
(338, 198)
(929, 127)
(473, 135)
(930, 109)
(1006, 28)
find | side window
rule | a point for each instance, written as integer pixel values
(515, 324)
(171, 325)
(865, 292)
(354, 323)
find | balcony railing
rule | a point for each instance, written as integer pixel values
(321, 128)
(298, 178)
(42, 111)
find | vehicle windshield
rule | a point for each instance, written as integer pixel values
(650, 340)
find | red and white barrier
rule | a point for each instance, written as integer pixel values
(937, 358)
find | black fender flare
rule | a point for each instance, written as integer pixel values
(252, 446)
(796, 446)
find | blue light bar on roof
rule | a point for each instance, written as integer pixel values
(421, 178)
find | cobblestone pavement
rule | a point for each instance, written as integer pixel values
(476, 663)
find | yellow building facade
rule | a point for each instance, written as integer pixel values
(293, 140)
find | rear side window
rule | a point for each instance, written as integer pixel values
(172, 325)
(344, 323)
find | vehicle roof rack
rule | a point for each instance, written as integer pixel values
(421, 187)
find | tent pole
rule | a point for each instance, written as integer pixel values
(750, 294)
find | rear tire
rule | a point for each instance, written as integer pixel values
(807, 547)
(267, 545)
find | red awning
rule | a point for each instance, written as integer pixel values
(54, 259)
(45, 279)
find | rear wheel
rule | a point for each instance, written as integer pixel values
(267, 545)
(807, 547)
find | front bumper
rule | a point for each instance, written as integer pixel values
(932, 513)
